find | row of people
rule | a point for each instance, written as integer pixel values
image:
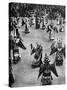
(50, 28)
(15, 42)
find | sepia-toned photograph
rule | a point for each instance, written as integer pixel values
(37, 45)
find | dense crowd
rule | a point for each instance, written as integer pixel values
(41, 17)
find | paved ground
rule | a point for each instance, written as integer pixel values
(24, 74)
